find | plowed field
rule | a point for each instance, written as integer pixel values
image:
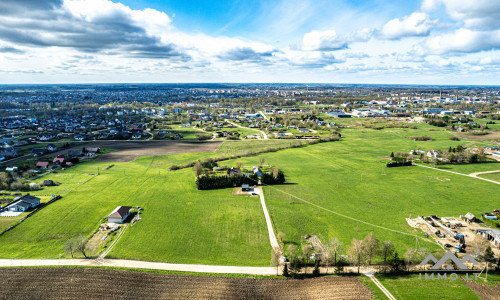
(81, 283)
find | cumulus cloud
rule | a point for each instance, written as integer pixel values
(327, 40)
(90, 26)
(461, 41)
(416, 24)
(475, 14)
(245, 54)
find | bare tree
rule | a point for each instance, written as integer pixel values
(371, 246)
(262, 160)
(69, 247)
(80, 244)
(387, 249)
(327, 259)
(307, 252)
(281, 236)
(198, 169)
(335, 247)
(275, 260)
(275, 171)
(356, 252)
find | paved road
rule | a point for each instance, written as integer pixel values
(471, 176)
(120, 263)
(272, 236)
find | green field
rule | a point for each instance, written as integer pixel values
(411, 287)
(492, 176)
(340, 189)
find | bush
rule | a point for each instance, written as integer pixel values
(454, 138)
(203, 136)
(421, 138)
(399, 164)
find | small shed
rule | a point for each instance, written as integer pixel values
(245, 187)
(469, 218)
(48, 182)
(119, 215)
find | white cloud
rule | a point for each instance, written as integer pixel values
(416, 24)
(327, 40)
(475, 14)
(462, 41)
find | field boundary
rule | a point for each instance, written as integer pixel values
(380, 286)
(456, 173)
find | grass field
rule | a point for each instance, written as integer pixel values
(492, 176)
(410, 287)
(181, 224)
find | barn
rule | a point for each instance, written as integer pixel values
(119, 215)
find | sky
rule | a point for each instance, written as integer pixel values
(452, 42)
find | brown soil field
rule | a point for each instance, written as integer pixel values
(493, 135)
(485, 292)
(87, 283)
(126, 151)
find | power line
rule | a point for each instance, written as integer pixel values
(350, 218)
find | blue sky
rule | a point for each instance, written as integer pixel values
(331, 41)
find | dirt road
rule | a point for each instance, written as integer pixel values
(456, 173)
(270, 230)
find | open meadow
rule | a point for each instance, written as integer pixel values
(335, 189)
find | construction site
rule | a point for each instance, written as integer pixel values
(465, 234)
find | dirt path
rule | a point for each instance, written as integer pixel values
(118, 237)
(265, 117)
(475, 174)
(272, 236)
(492, 181)
(121, 263)
(379, 285)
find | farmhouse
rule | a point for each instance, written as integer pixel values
(119, 214)
(245, 187)
(24, 203)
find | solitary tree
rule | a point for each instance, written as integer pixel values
(335, 247)
(275, 259)
(80, 244)
(488, 255)
(198, 169)
(281, 236)
(262, 160)
(306, 252)
(69, 247)
(356, 252)
(387, 249)
(238, 164)
(371, 246)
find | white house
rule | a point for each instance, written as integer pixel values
(119, 215)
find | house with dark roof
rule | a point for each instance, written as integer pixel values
(75, 153)
(24, 203)
(119, 215)
(51, 148)
(38, 151)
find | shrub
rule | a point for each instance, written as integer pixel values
(454, 138)
(399, 164)
(421, 138)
